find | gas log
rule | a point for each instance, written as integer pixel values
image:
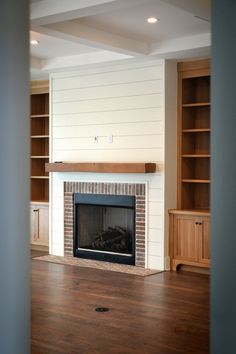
(114, 239)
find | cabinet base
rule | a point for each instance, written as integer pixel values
(175, 264)
(191, 269)
(39, 248)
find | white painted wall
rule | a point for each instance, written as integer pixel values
(124, 101)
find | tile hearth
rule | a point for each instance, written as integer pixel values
(114, 267)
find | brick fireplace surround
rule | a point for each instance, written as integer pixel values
(137, 190)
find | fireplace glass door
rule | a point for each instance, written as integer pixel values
(104, 227)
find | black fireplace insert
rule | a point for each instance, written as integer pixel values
(104, 227)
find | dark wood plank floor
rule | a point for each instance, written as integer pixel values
(165, 313)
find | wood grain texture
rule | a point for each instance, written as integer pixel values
(195, 68)
(189, 238)
(165, 313)
(193, 176)
(101, 167)
(39, 139)
(190, 212)
(39, 86)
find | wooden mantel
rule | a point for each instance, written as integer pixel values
(101, 167)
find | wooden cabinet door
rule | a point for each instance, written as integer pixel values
(204, 241)
(43, 225)
(34, 225)
(186, 238)
(39, 220)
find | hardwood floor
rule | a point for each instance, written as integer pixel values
(166, 313)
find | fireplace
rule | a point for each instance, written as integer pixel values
(134, 209)
(104, 227)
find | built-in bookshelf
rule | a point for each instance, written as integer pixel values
(190, 222)
(194, 136)
(39, 128)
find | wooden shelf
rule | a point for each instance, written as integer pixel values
(190, 222)
(195, 156)
(39, 157)
(39, 115)
(101, 167)
(196, 181)
(39, 139)
(39, 151)
(198, 104)
(203, 130)
(40, 177)
(204, 212)
(39, 201)
(194, 131)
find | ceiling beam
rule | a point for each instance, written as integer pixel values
(86, 35)
(51, 11)
(181, 44)
(75, 61)
(199, 8)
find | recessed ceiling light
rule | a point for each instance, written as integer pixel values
(34, 42)
(152, 19)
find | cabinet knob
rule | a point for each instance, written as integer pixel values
(196, 223)
(35, 210)
(200, 223)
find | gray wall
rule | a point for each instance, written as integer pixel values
(223, 239)
(14, 180)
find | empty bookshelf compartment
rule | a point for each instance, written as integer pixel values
(39, 190)
(196, 143)
(195, 196)
(39, 147)
(38, 167)
(197, 169)
(39, 104)
(196, 90)
(40, 125)
(196, 117)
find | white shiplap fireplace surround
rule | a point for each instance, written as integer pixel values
(123, 112)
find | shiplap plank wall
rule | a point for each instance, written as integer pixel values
(125, 102)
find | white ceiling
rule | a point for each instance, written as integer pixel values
(53, 47)
(82, 32)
